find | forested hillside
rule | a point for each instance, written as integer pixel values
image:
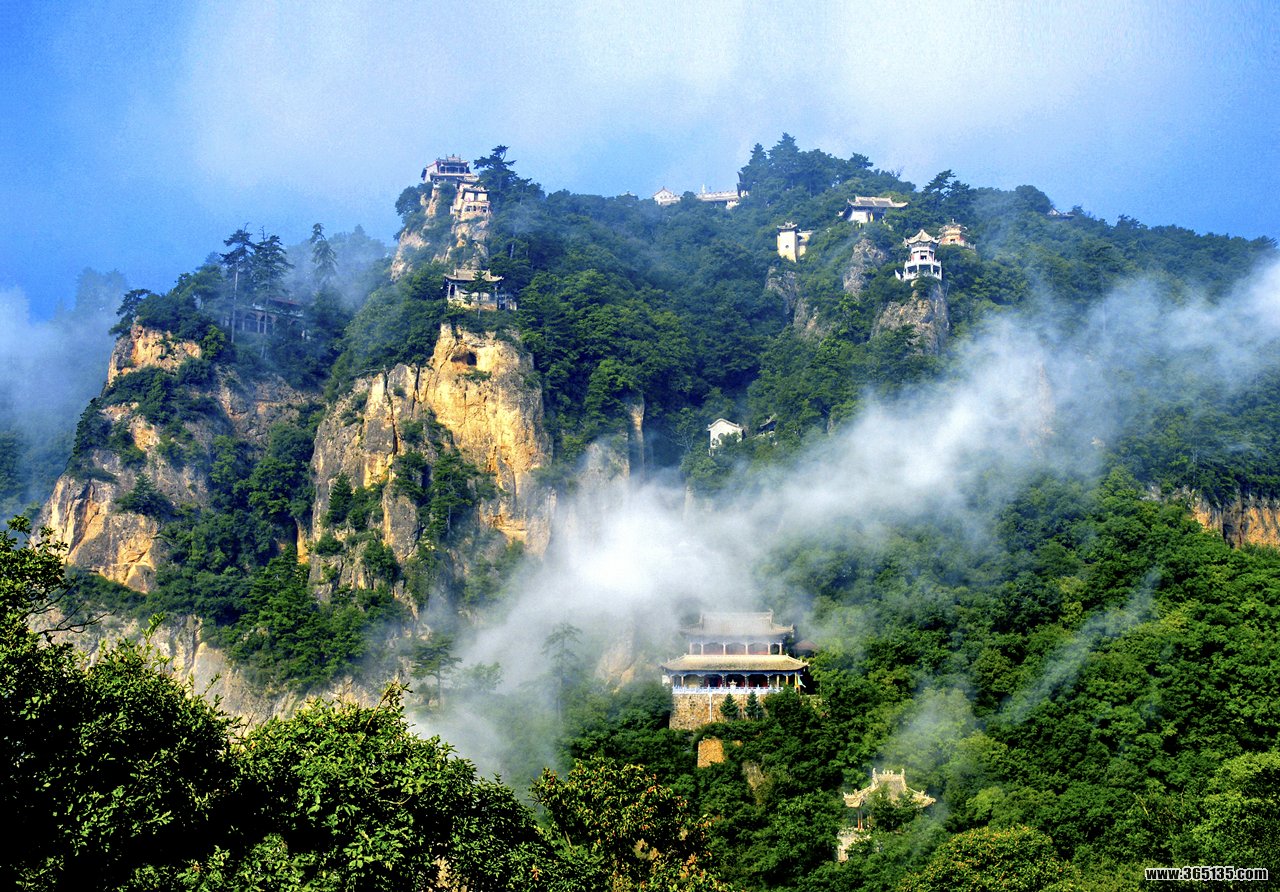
(973, 495)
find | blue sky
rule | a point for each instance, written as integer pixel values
(136, 136)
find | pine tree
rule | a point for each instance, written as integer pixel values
(729, 709)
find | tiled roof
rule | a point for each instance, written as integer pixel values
(757, 624)
(734, 663)
(875, 201)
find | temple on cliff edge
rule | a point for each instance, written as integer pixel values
(734, 655)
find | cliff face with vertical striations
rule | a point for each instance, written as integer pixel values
(1241, 520)
(143, 348)
(451, 240)
(84, 510)
(478, 395)
(924, 313)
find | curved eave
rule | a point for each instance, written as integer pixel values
(755, 663)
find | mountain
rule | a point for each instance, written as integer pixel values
(1007, 468)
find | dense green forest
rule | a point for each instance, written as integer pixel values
(1082, 676)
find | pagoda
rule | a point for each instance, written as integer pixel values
(922, 260)
(954, 233)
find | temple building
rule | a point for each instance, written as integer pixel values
(265, 316)
(723, 430)
(730, 198)
(869, 208)
(460, 290)
(472, 201)
(955, 234)
(793, 241)
(449, 169)
(730, 654)
(922, 260)
(665, 196)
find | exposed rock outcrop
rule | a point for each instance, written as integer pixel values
(1242, 520)
(143, 348)
(182, 641)
(456, 242)
(866, 257)
(804, 315)
(410, 243)
(479, 395)
(83, 510)
(120, 545)
(925, 313)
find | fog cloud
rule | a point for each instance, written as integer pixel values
(1030, 392)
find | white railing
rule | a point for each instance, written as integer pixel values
(759, 691)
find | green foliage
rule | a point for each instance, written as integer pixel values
(497, 175)
(340, 499)
(144, 498)
(1017, 859)
(1240, 821)
(323, 257)
(159, 396)
(92, 432)
(109, 767)
(328, 545)
(380, 560)
(285, 635)
(398, 323)
(347, 797)
(435, 658)
(366, 502)
(729, 709)
(280, 484)
(118, 777)
(625, 830)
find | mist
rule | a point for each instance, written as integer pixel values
(52, 368)
(1029, 392)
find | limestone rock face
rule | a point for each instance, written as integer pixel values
(925, 313)
(458, 242)
(142, 348)
(866, 257)
(410, 243)
(804, 316)
(82, 511)
(1244, 520)
(182, 641)
(482, 393)
(121, 546)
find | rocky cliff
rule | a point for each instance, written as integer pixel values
(477, 397)
(1241, 520)
(143, 348)
(924, 313)
(182, 641)
(863, 262)
(478, 394)
(84, 510)
(436, 233)
(805, 316)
